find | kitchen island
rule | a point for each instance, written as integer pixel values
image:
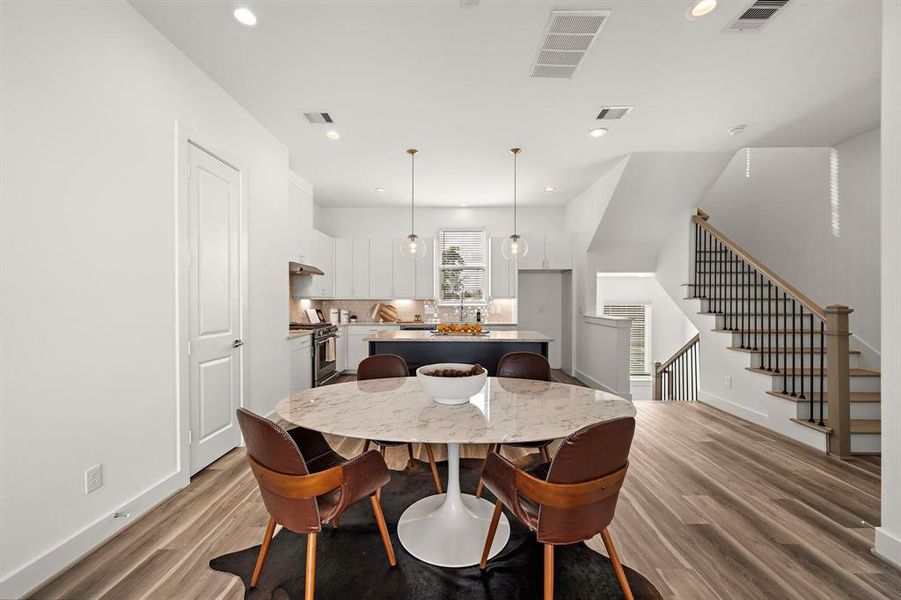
(425, 347)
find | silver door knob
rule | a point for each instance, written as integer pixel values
(237, 344)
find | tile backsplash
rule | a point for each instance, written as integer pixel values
(496, 311)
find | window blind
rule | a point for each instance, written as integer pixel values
(462, 258)
(639, 335)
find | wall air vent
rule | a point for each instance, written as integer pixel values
(317, 117)
(614, 113)
(757, 15)
(567, 39)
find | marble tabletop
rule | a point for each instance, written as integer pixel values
(505, 410)
(428, 336)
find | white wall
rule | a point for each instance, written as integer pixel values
(783, 215)
(540, 308)
(602, 360)
(670, 328)
(91, 94)
(888, 535)
(395, 222)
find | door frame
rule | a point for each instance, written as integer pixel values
(185, 137)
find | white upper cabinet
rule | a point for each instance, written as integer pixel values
(324, 254)
(534, 258)
(425, 271)
(558, 251)
(404, 272)
(300, 212)
(344, 268)
(503, 272)
(381, 263)
(360, 268)
(552, 252)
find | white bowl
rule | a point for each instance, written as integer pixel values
(450, 390)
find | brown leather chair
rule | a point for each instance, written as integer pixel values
(305, 484)
(383, 366)
(524, 365)
(569, 499)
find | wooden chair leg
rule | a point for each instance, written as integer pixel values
(481, 488)
(434, 467)
(545, 454)
(492, 529)
(548, 572)
(264, 550)
(335, 522)
(365, 447)
(383, 529)
(382, 450)
(310, 581)
(410, 452)
(617, 566)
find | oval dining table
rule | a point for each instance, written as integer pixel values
(449, 530)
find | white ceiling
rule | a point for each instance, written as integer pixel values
(455, 83)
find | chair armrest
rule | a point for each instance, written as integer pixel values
(569, 495)
(499, 475)
(297, 487)
(363, 475)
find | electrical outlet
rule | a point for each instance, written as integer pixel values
(728, 381)
(93, 479)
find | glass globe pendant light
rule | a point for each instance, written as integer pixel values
(412, 246)
(515, 246)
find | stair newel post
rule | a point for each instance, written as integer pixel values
(838, 379)
(658, 382)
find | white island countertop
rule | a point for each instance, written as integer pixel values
(428, 336)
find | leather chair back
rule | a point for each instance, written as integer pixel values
(382, 366)
(272, 447)
(591, 453)
(524, 365)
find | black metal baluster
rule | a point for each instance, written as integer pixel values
(801, 350)
(785, 345)
(811, 361)
(769, 333)
(694, 288)
(708, 293)
(794, 346)
(822, 368)
(776, 337)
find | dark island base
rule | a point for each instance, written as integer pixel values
(487, 354)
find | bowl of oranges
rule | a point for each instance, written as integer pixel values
(460, 329)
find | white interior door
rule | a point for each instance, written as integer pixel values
(216, 357)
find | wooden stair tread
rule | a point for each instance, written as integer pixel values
(855, 397)
(783, 351)
(857, 426)
(816, 372)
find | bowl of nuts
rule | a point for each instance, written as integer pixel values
(451, 383)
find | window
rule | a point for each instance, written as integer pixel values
(462, 270)
(640, 335)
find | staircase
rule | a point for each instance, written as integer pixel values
(801, 347)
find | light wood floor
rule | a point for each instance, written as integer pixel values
(712, 508)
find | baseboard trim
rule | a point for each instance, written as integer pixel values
(27, 578)
(732, 408)
(888, 547)
(594, 383)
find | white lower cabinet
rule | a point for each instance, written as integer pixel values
(301, 363)
(358, 346)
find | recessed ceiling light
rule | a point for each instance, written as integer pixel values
(243, 15)
(463, 205)
(381, 190)
(549, 188)
(699, 8)
(597, 132)
(736, 130)
(332, 135)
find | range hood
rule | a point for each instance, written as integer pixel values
(296, 268)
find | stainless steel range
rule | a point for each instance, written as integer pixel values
(325, 349)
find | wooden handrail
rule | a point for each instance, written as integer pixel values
(789, 289)
(679, 353)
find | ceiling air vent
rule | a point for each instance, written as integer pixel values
(317, 117)
(567, 40)
(757, 15)
(614, 113)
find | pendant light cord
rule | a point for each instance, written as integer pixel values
(514, 192)
(412, 193)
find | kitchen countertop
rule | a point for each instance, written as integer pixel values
(298, 333)
(426, 336)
